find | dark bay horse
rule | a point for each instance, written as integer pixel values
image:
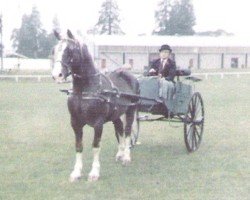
(88, 104)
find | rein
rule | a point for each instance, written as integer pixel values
(108, 96)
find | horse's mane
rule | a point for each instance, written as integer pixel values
(121, 78)
(87, 58)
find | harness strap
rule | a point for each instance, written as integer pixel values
(103, 96)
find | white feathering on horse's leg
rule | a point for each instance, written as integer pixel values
(121, 147)
(127, 157)
(77, 172)
(95, 171)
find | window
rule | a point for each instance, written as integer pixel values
(191, 63)
(234, 62)
(103, 63)
(131, 62)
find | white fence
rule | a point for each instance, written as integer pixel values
(222, 74)
(26, 64)
(18, 77)
(39, 78)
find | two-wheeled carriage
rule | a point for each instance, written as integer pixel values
(176, 102)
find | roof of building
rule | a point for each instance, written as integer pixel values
(183, 41)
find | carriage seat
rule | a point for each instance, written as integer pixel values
(182, 72)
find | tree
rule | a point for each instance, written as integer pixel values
(109, 20)
(31, 39)
(176, 18)
(162, 16)
(182, 18)
(25, 39)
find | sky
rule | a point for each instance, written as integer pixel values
(137, 15)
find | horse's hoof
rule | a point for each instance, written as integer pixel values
(93, 178)
(126, 162)
(119, 158)
(74, 177)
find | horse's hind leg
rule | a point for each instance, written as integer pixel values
(95, 171)
(77, 172)
(129, 118)
(119, 133)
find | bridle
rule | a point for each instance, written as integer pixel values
(68, 64)
(99, 93)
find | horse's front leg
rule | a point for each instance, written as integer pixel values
(77, 172)
(95, 171)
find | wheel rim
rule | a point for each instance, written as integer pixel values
(194, 123)
(135, 129)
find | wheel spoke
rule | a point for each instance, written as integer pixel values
(195, 139)
(193, 110)
(190, 136)
(199, 123)
(193, 142)
(190, 142)
(190, 109)
(198, 102)
(197, 133)
(198, 111)
(189, 129)
(194, 101)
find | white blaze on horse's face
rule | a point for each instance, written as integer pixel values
(58, 73)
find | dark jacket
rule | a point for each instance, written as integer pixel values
(167, 71)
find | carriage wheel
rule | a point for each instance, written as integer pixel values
(194, 122)
(135, 129)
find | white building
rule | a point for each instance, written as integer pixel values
(198, 52)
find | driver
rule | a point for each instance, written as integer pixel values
(163, 66)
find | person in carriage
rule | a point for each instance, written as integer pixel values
(164, 66)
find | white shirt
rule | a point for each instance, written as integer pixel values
(164, 61)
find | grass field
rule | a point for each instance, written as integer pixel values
(37, 149)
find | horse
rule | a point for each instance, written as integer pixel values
(88, 104)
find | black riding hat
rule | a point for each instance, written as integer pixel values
(165, 47)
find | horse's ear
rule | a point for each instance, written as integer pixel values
(70, 35)
(57, 35)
